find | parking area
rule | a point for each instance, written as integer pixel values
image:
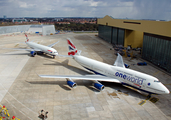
(25, 94)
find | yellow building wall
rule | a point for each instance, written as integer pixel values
(154, 27)
(133, 38)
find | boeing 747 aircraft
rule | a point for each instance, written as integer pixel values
(111, 73)
(36, 48)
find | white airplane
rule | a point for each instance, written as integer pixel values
(37, 48)
(111, 73)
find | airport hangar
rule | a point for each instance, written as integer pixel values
(152, 36)
(43, 29)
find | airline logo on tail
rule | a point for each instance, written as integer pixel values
(26, 38)
(72, 48)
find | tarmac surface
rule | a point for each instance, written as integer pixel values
(25, 94)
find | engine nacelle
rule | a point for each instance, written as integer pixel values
(71, 83)
(98, 86)
(33, 53)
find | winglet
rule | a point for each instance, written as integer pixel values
(119, 61)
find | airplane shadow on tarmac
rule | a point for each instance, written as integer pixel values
(72, 68)
(62, 84)
(117, 88)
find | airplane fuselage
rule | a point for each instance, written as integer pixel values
(43, 48)
(127, 77)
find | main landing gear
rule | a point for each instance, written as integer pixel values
(149, 96)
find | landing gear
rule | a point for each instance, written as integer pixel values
(53, 56)
(149, 96)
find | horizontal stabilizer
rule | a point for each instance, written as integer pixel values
(65, 56)
(119, 61)
(51, 45)
(79, 52)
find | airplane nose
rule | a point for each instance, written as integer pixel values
(56, 53)
(164, 88)
(167, 91)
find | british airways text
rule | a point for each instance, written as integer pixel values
(136, 80)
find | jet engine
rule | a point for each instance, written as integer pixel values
(71, 83)
(33, 53)
(98, 85)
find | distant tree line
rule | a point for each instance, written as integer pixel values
(77, 27)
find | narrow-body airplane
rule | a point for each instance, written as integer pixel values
(37, 48)
(111, 73)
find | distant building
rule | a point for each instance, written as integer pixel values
(154, 37)
(32, 21)
(43, 29)
(5, 17)
(63, 23)
(19, 20)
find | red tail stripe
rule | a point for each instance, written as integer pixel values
(72, 52)
(26, 38)
(71, 44)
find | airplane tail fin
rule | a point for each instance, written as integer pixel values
(26, 38)
(72, 48)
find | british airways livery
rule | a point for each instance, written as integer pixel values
(36, 48)
(111, 73)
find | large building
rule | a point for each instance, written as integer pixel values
(43, 29)
(153, 36)
(19, 20)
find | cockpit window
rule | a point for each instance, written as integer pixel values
(156, 81)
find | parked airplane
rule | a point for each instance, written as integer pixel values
(37, 48)
(111, 73)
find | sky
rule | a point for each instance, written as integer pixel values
(131, 9)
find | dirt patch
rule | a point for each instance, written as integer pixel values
(113, 94)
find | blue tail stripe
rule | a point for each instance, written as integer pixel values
(70, 48)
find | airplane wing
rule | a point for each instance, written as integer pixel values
(23, 49)
(119, 61)
(84, 77)
(51, 45)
